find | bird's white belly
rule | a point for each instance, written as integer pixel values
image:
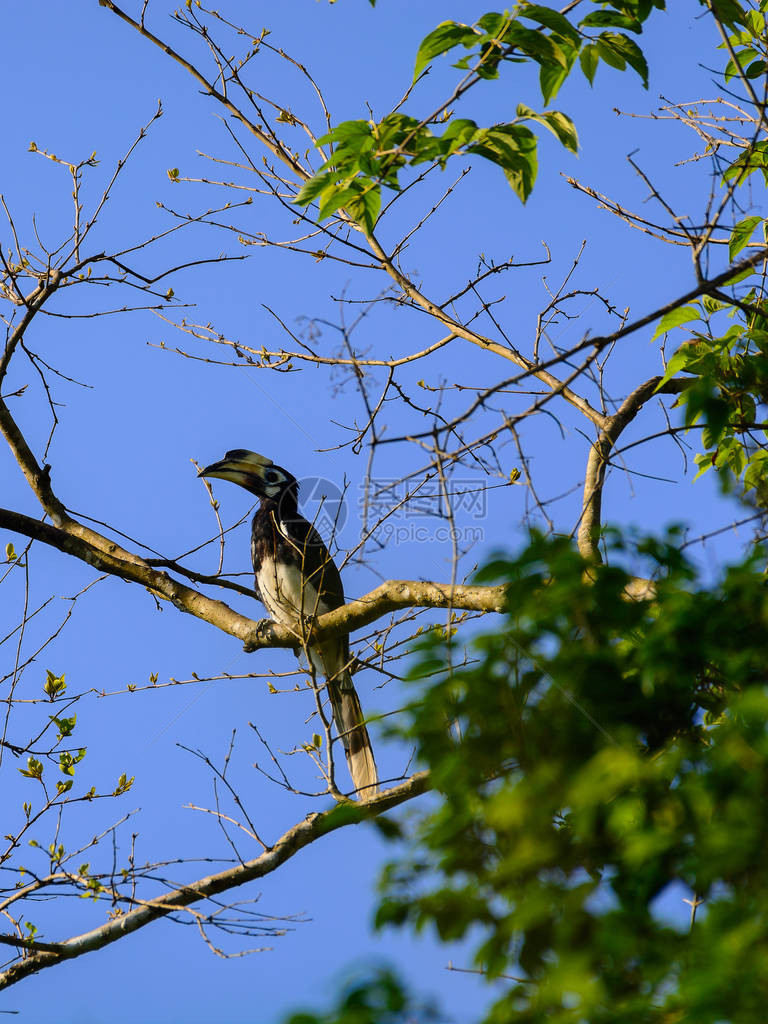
(285, 596)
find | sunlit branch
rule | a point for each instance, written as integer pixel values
(288, 845)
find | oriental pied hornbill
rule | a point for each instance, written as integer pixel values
(297, 579)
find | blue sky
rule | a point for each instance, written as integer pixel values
(81, 81)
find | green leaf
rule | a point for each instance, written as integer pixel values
(312, 188)
(615, 48)
(123, 785)
(496, 25)
(551, 19)
(550, 80)
(10, 552)
(756, 474)
(701, 399)
(678, 362)
(755, 23)
(447, 35)
(34, 769)
(460, 131)
(611, 19)
(54, 685)
(346, 131)
(589, 59)
(552, 76)
(564, 128)
(712, 305)
(753, 159)
(610, 55)
(541, 48)
(676, 317)
(760, 337)
(369, 207)
(561, 126)
(729, 12)
(743, 57)
(336, 198)
(730, 452)
(513, 148)
(741, 234)
(64, 725)
(704, 462)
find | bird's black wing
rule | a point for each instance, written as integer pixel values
(309, 551)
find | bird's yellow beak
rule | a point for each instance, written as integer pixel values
(239, 466)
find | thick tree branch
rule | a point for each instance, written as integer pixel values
(599, 455)
(387, 597)
(134, 570)
(296, 838)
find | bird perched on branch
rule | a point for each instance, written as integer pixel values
(296, 579)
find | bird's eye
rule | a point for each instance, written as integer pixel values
(271, 476)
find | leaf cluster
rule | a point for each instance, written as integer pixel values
(369, 155)
(727, 394)
(748, 43)
(600, 759)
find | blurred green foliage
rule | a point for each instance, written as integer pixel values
(369, 154)
(601, 766)
(599, 761)
(377, 998)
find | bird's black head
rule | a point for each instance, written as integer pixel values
(256, 474)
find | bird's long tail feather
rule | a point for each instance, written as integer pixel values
(350, 723)
(332, 659)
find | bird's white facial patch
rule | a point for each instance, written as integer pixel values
(273, 481)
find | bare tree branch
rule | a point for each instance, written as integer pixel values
(296, 838)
